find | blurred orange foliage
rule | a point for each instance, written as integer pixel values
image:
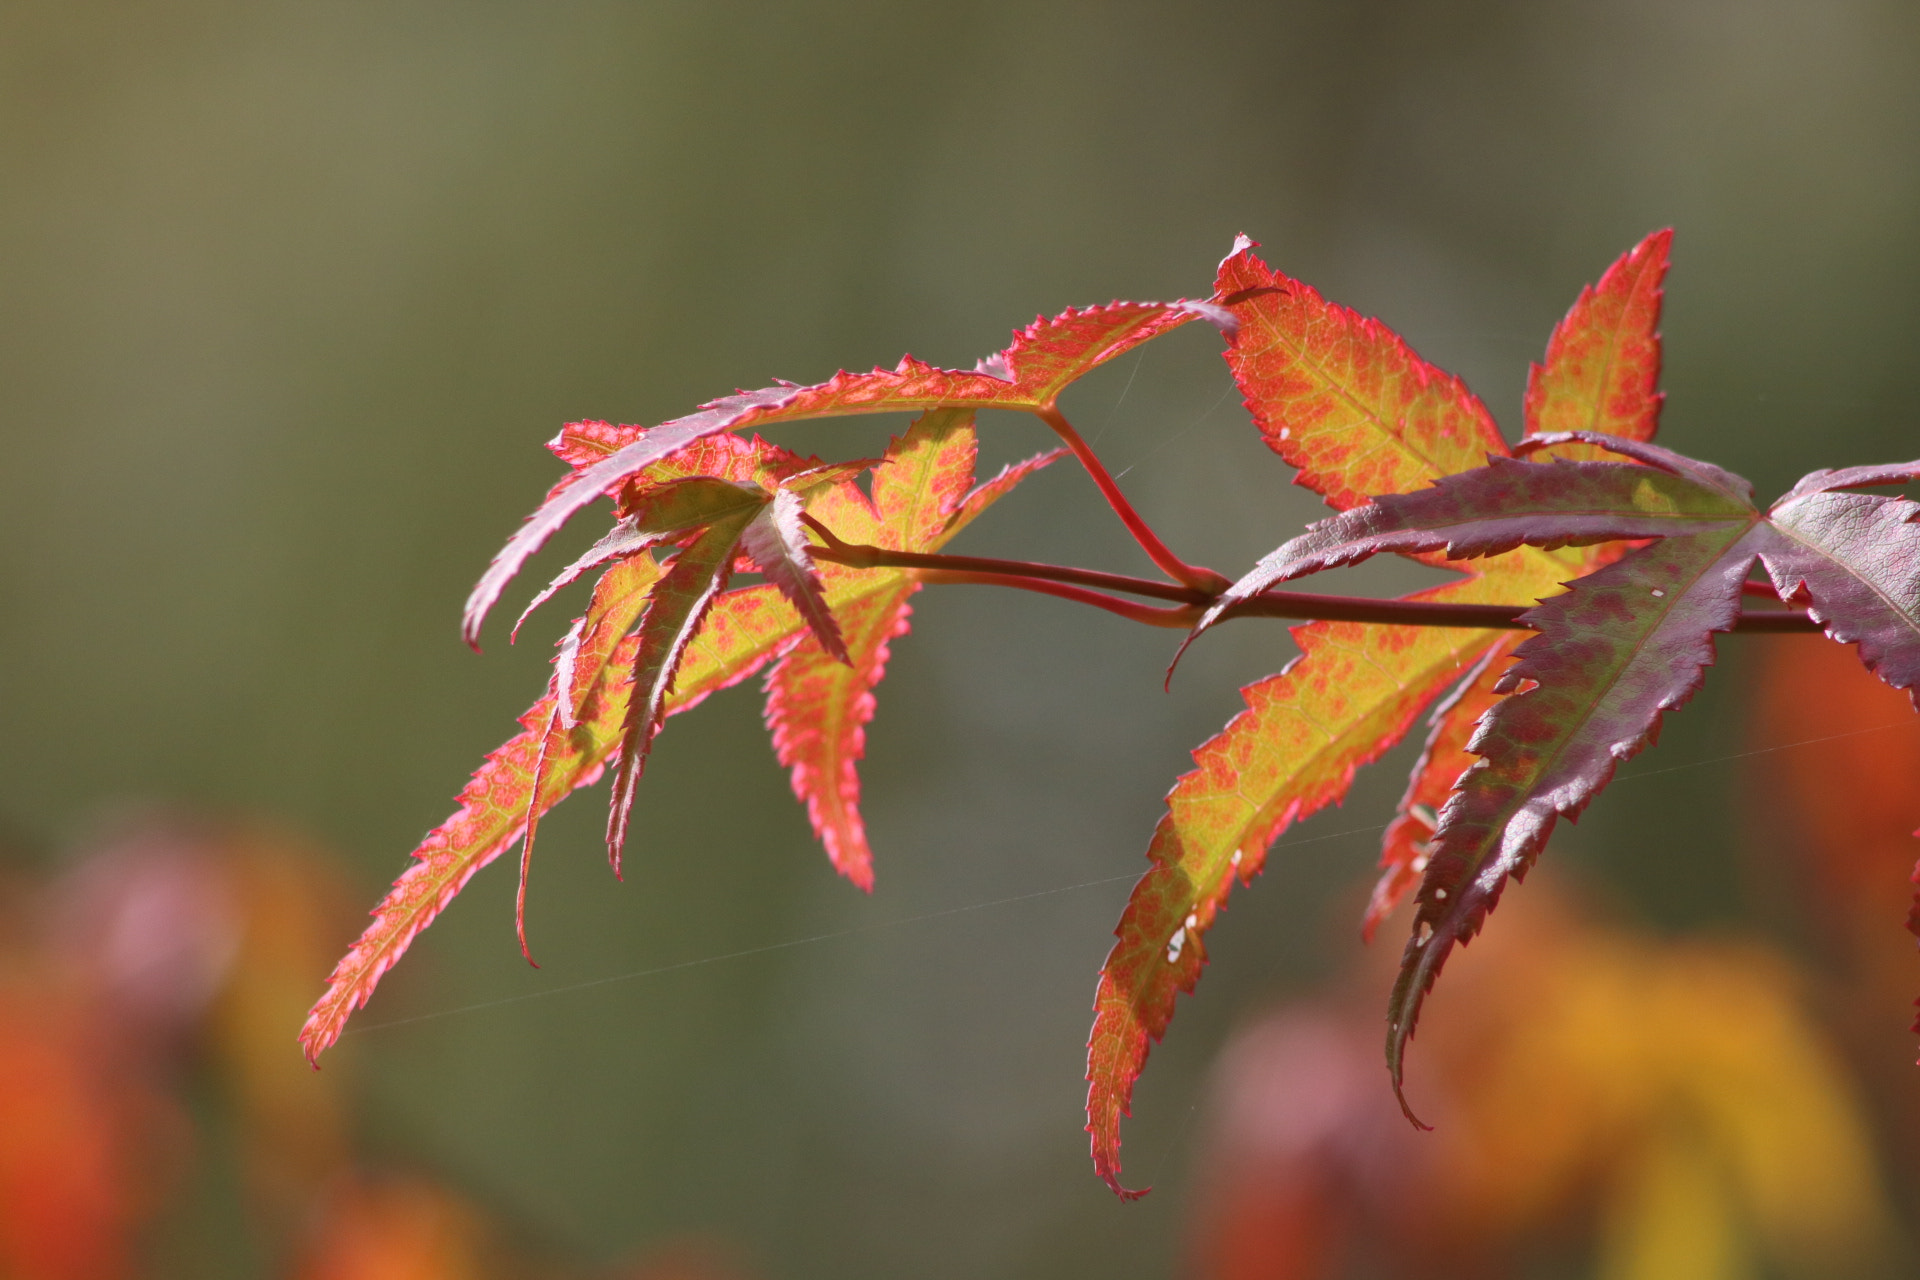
(176, 949)
(1835, 801)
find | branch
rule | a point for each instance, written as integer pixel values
(1069, 584)
(1180, 617)
(859, 556)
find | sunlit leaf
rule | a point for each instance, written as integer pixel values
(1621, 647)
(1028, 375)
(1602, 370)
(1341, 396)
(1405, 846)
(1351, 695)
(921, 499)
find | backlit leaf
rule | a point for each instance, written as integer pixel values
(777, 542)
(1346, 401)
(818, 709)
(922, 500)
(1621, 647)
(1405, 846)
(1341, 396)
(492, 814)
(676, 607)
(1350, 696)
(1602, 368)
(1028, 375)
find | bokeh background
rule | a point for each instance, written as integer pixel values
(291, 294)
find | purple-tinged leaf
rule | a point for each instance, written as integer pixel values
(1824, 481)
(777, 542)
(1853, 560)
(1496, 508)
(991, 491)
(559, 507)
(1408, 840)
(1505, 504)
(679, 506)
(1705, 474)
(746, 459)
(624, 539)
(1620, 648)
(675, 610)
(1029, 375)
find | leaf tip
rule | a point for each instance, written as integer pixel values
(316, 1037)
(1206, 621)
(1242, 243)
(1399, 1031)
(1406, 1108)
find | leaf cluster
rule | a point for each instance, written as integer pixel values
(1593, 569)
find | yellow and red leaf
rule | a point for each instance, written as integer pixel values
(1602, 370)
(1029, 374)
(921, 499)
(1350, 696)
(1340, 396)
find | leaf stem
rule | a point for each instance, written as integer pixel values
(1172, 565)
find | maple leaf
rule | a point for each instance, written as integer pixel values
(921, 499)
(1624, 644)
(1508, 503)
(676, 607)
(1043, 359)
(1348, 698)
(1406, 844)
(1340, 396)
(1602, 373)
(1602, 370)
(1345, 400)
(817, 709)
(1394, 444)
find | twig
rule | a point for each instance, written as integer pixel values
(1069, 584)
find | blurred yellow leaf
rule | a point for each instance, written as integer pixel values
(1678, 1093)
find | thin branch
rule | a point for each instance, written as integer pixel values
(865, 557)
(1157, 551)
(1428, 613)
(1070, 584)
(1180, 617)
(1303, 605)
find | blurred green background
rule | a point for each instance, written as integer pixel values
(293, 293)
